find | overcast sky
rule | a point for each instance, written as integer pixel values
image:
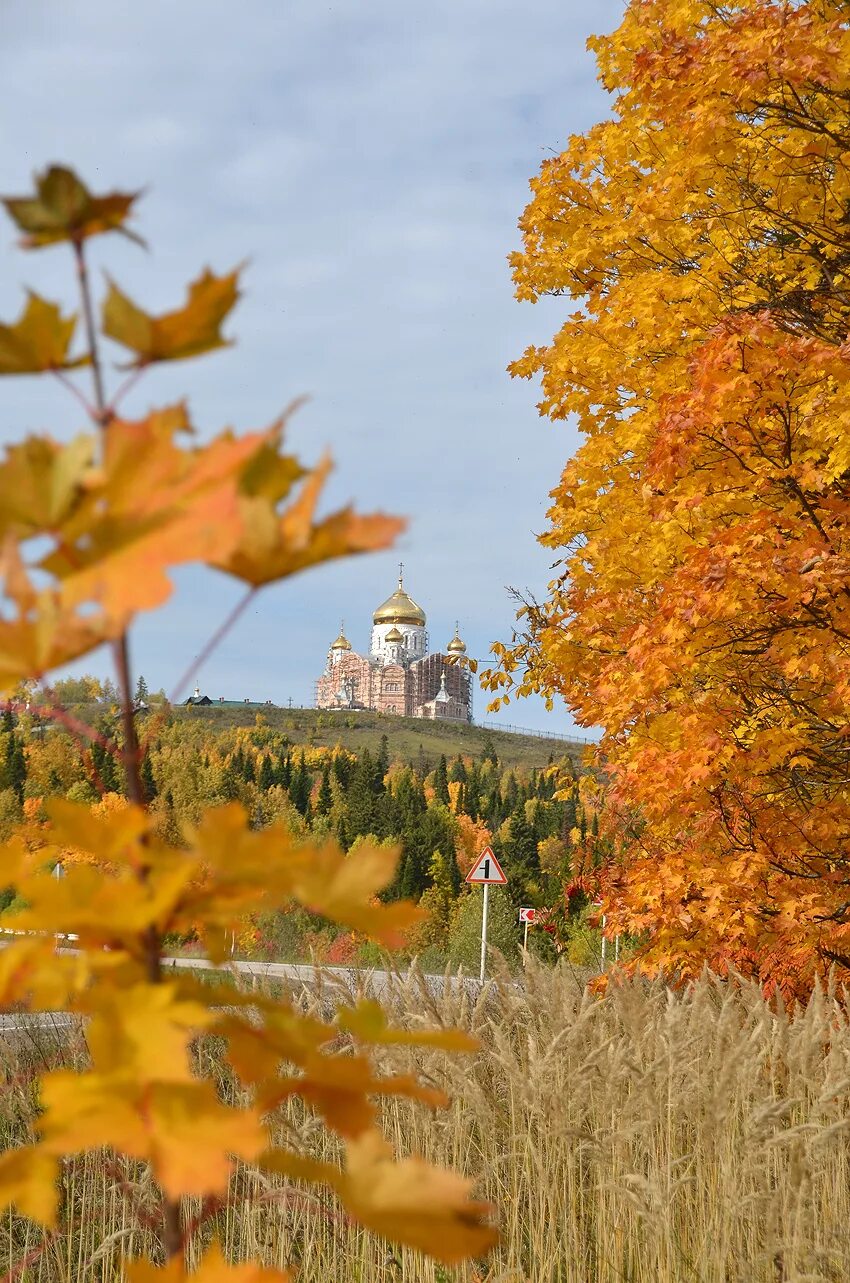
(371, 159)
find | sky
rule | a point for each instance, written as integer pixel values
(370, 160)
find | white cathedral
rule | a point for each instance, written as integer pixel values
(399, 675)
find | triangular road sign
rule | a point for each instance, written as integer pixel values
(486, 870)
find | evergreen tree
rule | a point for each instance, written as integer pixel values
(521, 847)
(106, 767)
(488, 752)
(8, 723)
(511, 794)
(324, 801)
(284, 771)
(141, 690)
(414, 874)
(472, 792)
(569, 817)
(300, 787)
(248, 768)
(148, 781)
(409, 797)
(382, 764)
(458, 774)
(15, 767)
(341, 769)
(441, 782)
(266, 779)
(228, 784)
(494, 811)
(360, 796)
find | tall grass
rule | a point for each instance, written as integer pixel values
(647, 1137)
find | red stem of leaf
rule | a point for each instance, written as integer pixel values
(171, 1235)
(71, 387)
(129, 383)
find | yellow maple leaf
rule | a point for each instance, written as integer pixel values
(181, 1128)
(47, 631)
(41, 481)
(274, 545)
(28, 1178)
(213, 1268)
(191, 330)
(39, 340)
(63, 209)
(413, 1202)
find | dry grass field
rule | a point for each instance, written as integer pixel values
(645, 1137)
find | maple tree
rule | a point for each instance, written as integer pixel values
(699, 609)
(90, 530)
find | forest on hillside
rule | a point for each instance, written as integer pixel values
(439, 816)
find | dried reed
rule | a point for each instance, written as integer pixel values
(644, 1137)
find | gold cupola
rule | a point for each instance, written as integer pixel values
(394, 636)
(400, 608)
(456, 646)
(342, 642)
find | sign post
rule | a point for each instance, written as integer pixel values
(526, 917)
(486, 872)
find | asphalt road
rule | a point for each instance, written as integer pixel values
(377, 984)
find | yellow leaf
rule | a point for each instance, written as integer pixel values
(145, 1030)
(151, 506)
(63, 209)
(412, 1202)
(38, 341)
(28, 1182)
(213, 1268)
(188, 331)
(368, 1022)
(182, 1129)
(40, 483)
(113, 835)
(275, 545)
(47, 631)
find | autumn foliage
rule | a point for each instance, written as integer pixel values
(91, 528)
(700, 610)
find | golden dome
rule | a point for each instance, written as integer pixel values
(341, 643)
(399, 609)
(456, 646)
(394, 636)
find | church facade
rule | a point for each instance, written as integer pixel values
(399, 675)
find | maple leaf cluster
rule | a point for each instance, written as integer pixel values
(699, 612)
(90, 531)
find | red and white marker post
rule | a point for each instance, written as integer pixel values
(527, 917)
(486, 872)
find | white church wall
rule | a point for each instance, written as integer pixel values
(415, 641)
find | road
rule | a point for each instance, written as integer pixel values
(345, 980)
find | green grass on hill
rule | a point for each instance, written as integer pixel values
(408, 736)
